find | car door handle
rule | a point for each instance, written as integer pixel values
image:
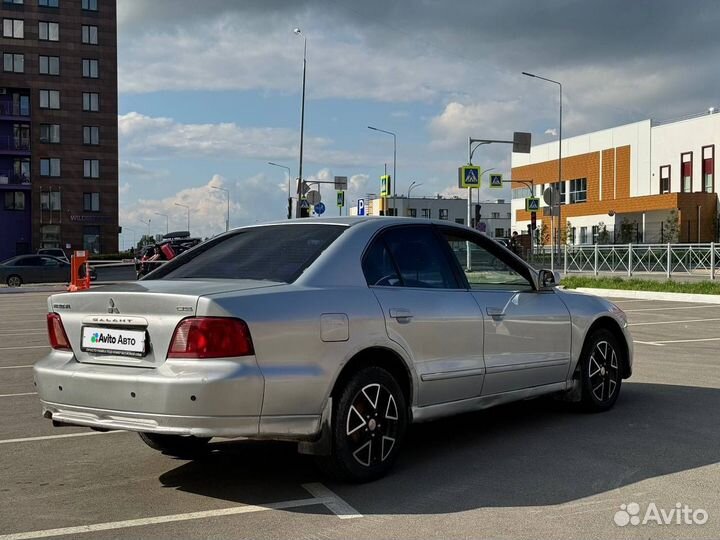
(495, 312)
(401, 313)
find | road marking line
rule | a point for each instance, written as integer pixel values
(336, 505)
(705, 306)
(647, 343)
(25, 333)
(30, 347)
(671, 322)
(16, 367)
(18, 395)
(663, 342)
(52, 437)
(157, 520)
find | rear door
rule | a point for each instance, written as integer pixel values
(527, 332)
(54, 270)
(427, 312)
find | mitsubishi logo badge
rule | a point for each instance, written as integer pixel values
(111, 307)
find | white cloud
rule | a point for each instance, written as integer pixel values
(551, 131)
(159, 137)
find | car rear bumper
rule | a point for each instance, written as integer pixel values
(199, 426)
(221, 398)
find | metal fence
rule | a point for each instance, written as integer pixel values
(630, 259)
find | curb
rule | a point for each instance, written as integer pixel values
(652, 295)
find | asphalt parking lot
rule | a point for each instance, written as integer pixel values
(529, 470)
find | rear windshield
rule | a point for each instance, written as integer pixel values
(275, 253)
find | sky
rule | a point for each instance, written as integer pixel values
(210, 92)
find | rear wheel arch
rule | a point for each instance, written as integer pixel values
(611, 325)
(382, 357)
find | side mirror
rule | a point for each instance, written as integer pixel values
(546, 278)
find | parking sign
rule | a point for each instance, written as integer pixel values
(361, 207)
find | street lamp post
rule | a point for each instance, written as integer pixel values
(298, 32)
(289, 211)
(413, 186)
(134, 244)
(166, 221)
(227, 219)
(394, 179)
(557, 244)
(186, 207)
(147, 223)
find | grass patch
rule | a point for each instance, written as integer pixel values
(697, 287)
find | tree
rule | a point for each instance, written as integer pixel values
(671, 227)
(626, 231)
(543, 235)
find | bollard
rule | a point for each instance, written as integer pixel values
(712, 261)
(595, 265)
(629, 268)
(669, 262)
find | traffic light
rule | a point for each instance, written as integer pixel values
(478, 207)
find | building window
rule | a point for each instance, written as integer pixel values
(426, 213)
(665, 179)
(49, 3)
(460, 221)
(562, 188)
(91, 135)
(578, 190)
(686, 172)
(13, 28)
(49, 65)
(16, 2)
(50, 236)
(50, 200)
(494, 215)
(21, 169)
(412, 212)
(91, 202)
(50, 167)
(48, 31)
(91, 168)
(583, 235)
(90, 69)
(91, 239)
(708, 168)
(89, 34)
(14, 200)
(444, 213)
(21, 136)
(499, 233)
(90, 5)
(50, 133)
(91, 101)
(14, 63)
(49, 99)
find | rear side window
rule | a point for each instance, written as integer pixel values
(274, 253)
(417, 254)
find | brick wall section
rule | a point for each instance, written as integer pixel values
(623, 172)
(608, 175)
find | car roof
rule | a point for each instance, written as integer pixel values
(354, 221)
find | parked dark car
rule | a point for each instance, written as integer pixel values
(34, 269)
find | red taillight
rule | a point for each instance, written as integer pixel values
(210, 337)
(56, 333)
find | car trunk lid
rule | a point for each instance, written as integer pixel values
(111, 317)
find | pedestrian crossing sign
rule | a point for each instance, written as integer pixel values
(496, 181)
(532, 204)
(469, 177)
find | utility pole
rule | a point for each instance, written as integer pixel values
(299, 212)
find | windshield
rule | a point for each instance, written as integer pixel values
(275, 253)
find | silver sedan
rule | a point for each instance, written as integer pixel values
(334, 333)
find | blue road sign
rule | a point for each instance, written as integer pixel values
(320, 209)
(361, 207)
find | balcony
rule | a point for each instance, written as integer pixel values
(10, 144)
(14, 110)
(14, 179)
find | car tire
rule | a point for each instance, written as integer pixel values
(176, 445)
(601, 371)
(368, 427)
(14, 281)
